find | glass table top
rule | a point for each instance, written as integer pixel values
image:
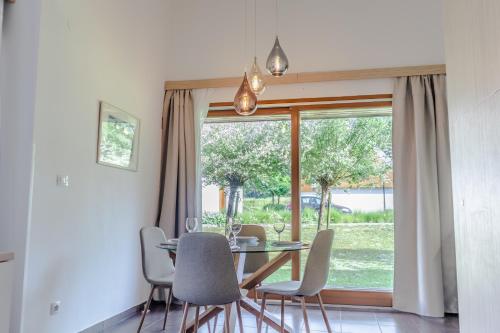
(253, 247)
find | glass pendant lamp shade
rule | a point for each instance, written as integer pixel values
(277, 62)
(256, 79)
(245, 101)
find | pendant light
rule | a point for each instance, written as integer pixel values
(277, 62)
(245, 101)
(257, 82)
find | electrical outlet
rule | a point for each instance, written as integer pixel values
(62, 180)
(55, 307)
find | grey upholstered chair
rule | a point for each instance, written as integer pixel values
(157, 267)
(254, 261)
(205, 275)
(313, 281)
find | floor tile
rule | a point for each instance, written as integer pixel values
(342, 320)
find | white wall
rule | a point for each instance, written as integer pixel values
(473, 64)
(208, 36)
(18, 72)
(84, 242)
(83, 246)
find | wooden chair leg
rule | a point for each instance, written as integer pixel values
(323, 312)
(227, 314)
(304, 311)
(146, 308)
(262, 309)
(208, 322)
(240, 319)
(282, 314)
(167, 307)
(255, 295)
(196, 319)
(184, 317)
(215, 322)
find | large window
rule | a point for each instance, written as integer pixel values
(246, 175)
(313, 167)
(347, 186)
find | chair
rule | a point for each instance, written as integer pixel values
(313, 281)
(254, 261)
(205, 275)
(157, 267)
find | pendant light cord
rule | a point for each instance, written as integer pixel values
(245, 39)
(277, 18)
(255, 28)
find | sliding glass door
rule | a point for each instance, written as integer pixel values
(346, 185)
(310, 166)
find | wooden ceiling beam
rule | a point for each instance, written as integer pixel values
(310, 77)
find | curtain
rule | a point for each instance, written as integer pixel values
(201, 98)
(425, 266)
(178, 163)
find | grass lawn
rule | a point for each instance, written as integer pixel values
(362, 254)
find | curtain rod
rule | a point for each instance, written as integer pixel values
(309, 77)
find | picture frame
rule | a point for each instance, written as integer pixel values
(118, 138)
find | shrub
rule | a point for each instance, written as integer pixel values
(218, 219)
(275, 207)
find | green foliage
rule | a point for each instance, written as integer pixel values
(344, 150)
(275, 207)
(117, 140)
(233, 153)
(218, 219)
(309, 215)
(362, 217)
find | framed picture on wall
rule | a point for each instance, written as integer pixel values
(118, 142)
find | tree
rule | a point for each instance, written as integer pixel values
(234, 153)
(276, 183)
(342, 150)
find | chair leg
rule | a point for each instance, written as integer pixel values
(262, 309)
(227, 314)
(184, 317)
(208, 322)
(240, 319)
(304, 311)
(196, 319)
(255, 295)
(167, 307)
(146, 308)
(282, 314)
(323, 312)
(215, 322)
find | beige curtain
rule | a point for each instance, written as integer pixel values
(178, 169)
(425, 266)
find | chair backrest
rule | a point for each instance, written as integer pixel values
(204, 271)
(156, 263)
(254, 261)
(318, 264)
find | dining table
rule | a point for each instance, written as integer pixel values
(283, 253)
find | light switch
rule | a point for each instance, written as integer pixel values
(62, 181)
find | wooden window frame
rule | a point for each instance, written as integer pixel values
(292, 109)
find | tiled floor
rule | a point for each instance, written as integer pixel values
(343, 320)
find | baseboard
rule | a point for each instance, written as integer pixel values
(107, 323)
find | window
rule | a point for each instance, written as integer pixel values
(310, 165)
(246, 175)
(346, 177)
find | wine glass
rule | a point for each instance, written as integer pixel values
(279, 227)
(229, 232)
(236, 227)
(191, 224)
